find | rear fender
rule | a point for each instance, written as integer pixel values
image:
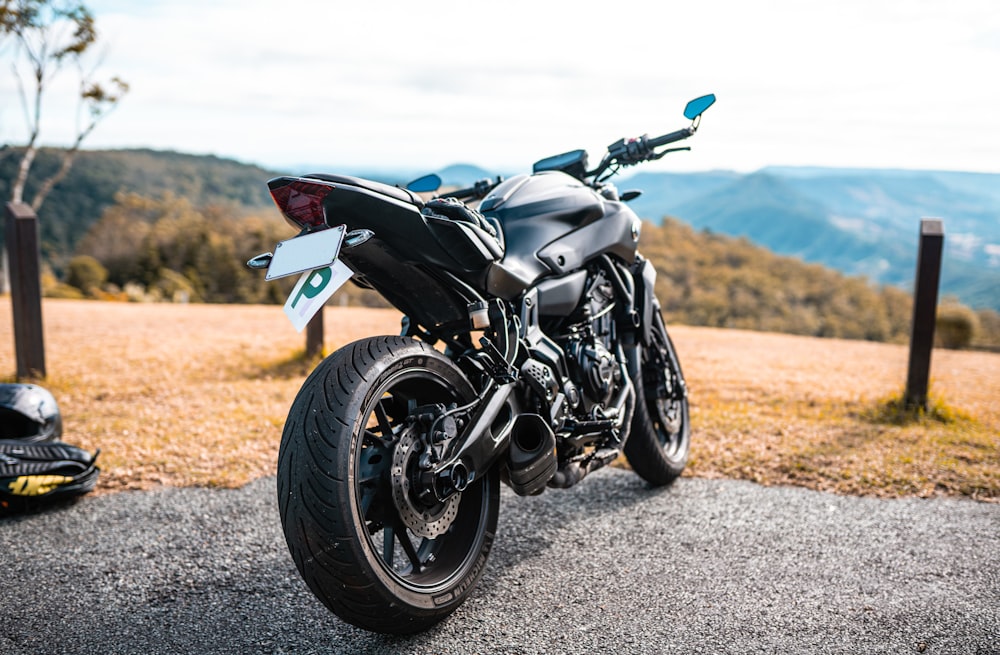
(417, 291)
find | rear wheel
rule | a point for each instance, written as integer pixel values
(367, 545)
(660, 438)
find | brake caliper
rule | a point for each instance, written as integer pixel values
(422, 444)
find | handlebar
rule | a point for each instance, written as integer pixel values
(620, 153)
(628, 152)
(679, 135)
(478, 191)
(639, 149)
(642, 148)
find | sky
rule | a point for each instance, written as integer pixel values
(398, 84)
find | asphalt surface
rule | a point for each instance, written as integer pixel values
(708, 566)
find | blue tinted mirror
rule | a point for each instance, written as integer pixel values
(425, 184)
(696, 107)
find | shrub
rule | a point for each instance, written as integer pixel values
(988, 334)
(172, 286)
(956, 326)
(86, 274)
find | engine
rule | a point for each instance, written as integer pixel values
(589, 342)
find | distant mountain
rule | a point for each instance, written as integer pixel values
(463, 175)
(861, 222)
(673, 189)
(771, 212)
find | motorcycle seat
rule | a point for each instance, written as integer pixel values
(378, 187)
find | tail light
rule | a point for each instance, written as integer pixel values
(300, 200)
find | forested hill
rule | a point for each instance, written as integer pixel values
(720, 281)
(860, 222)
(77, 202)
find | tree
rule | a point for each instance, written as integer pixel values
(47, 35)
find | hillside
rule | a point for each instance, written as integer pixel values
(860, 222)
(98, 175)
(78, 201)
(720, 281)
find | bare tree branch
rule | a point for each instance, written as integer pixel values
(48, 33)
(99, 102)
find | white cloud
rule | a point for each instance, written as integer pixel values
(853, 83)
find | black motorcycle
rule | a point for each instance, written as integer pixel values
(532, 353)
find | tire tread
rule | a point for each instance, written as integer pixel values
(643, 449)
(313, 469)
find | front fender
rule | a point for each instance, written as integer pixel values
(644, 274)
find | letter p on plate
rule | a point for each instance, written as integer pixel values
(312, 290)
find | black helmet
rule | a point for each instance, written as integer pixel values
(28, 413)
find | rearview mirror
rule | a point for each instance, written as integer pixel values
(697, 107)
(425, 184)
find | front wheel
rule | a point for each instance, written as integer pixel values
(660, 439)
(375, 553)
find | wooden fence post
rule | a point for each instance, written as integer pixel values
(25, 289)
(925, 297)
(314, 335)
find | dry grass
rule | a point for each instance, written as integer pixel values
(780, 409)
(196, 395)
(175, 394)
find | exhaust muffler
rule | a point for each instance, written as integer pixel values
(531, 459)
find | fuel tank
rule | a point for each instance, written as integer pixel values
(553, 224)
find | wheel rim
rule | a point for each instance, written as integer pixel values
(420, 563)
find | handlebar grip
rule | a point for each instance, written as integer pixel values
(679, 135)
(477, 191)
(461, 194)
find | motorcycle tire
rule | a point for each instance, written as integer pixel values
(367, 548)
(660, 437)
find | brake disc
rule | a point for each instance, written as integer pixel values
(428, 522)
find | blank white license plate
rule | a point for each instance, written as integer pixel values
(306, 252)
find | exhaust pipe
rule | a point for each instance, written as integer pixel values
(573, 472)
(531, 459)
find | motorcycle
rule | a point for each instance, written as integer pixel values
(532, 353)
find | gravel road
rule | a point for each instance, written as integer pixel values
(708, 566)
